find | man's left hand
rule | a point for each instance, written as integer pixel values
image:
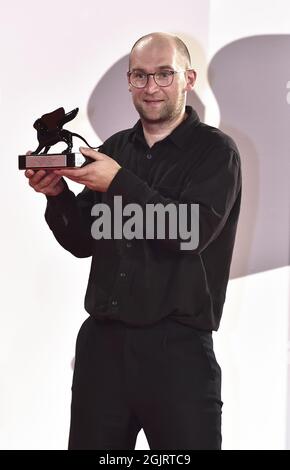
(96, 175)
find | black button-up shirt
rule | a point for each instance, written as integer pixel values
(140, 281)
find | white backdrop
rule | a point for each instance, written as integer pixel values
(57, 54)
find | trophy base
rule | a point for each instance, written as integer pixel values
(52, 160)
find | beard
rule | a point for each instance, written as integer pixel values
(167, 111)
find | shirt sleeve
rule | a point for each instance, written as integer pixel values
(214, 186)
(69, 218)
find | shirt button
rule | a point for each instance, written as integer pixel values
(114, 302)
(128, 244)
(149, 156)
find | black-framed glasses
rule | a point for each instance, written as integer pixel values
(139, 79)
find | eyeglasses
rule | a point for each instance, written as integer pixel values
(139, 79)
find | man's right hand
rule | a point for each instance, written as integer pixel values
(45, 181)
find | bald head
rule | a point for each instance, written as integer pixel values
(165, 41)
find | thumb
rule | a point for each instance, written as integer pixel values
(87, 152)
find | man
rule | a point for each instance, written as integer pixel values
(144, 357)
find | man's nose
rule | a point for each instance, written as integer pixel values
(151, 86)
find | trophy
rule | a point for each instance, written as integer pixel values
(50, 132)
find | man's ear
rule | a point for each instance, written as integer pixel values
(190, 79)
(129, 84)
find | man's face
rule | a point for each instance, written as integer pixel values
(156, 104)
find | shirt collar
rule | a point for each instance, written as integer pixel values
(178, 136)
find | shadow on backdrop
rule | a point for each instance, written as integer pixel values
(249, 80)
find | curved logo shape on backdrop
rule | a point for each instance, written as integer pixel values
(250, 80)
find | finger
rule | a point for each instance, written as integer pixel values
(38, 176)
(76, 173)
(53, 184)
(29, 173)
(92, 153)
(29, 152)
(36, 179)
(48, 182)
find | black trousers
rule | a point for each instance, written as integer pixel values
(163, 378)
